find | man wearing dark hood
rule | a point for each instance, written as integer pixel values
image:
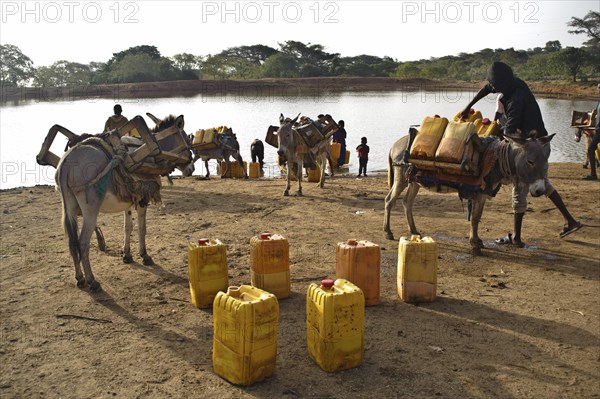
(115, 121)
(523, 118)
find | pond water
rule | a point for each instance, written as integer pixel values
(382, 117)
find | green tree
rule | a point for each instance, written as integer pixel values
(574, 59)
(552, 46)
(15, 67)
(312, 59)
(365, 65)
(139, 64)
(63, 73)
(188, 65)
(136, 68)
(409, 70)
(255, 55)
(151, 51)
(588, 25)
(280, 65)
(214, 66)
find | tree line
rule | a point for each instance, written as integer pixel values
(294, 59)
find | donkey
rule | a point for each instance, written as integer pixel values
(293, 150)
(516, 161)
(587, 133)
(89, 180)
(228, 146)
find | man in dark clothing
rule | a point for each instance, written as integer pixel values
(115, 121)
(340, 137)
(257, 152)
(523, 119)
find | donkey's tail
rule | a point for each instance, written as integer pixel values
(390, 174)
(69, 218)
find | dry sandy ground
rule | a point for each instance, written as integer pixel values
(515, 323)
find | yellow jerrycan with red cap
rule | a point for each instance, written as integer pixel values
(207, 271)
(270, 264)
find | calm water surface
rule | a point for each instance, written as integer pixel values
(381, 117)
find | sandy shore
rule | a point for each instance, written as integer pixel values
(514, 323)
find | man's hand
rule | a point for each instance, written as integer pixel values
(465, 114)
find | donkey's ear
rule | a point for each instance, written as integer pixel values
(546, 139)
(515, 140)
(295, 119)
(154, 118)
(179, 122)
(281, 119)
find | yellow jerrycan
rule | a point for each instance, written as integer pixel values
(335, 324)
(245, 334)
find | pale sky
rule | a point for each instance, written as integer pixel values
(85, 31)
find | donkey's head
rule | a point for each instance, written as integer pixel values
(286, 141)
(173, 144)
(531, 162)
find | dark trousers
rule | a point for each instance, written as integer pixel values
(342, 157)
(592, 152)
(362, 166)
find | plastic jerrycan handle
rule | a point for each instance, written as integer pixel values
(203, 241)
(352, 242)
(264, 236)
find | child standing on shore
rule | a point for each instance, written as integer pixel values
(363, 157)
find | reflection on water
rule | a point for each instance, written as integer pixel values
(381, 117)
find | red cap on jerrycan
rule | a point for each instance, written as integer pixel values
(203, 241)
(265, 236)
(352, 241)
(327, 283)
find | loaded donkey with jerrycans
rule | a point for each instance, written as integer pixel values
(466, 156)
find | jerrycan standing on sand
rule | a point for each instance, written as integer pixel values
(335, 324)
(245, 321)
(417, 269)
(207, 270)
(270, 264)
(360, 263)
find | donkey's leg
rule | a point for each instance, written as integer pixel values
(141, 212)
(238, 158)
(398, 185)
(100, 239)
(477, 212)
(408, 201)
(227, 165)
(127, 229)
(206, 167)
(69, 220)
(289, 167)
(299, 176)
(90, 216)
(322, 165)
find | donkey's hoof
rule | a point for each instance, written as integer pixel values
(127, 258)
(286, 193)
(389, 235)
(476, 251)
(95, 286)
(147, 260)
(298, 193)
(81, 283)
